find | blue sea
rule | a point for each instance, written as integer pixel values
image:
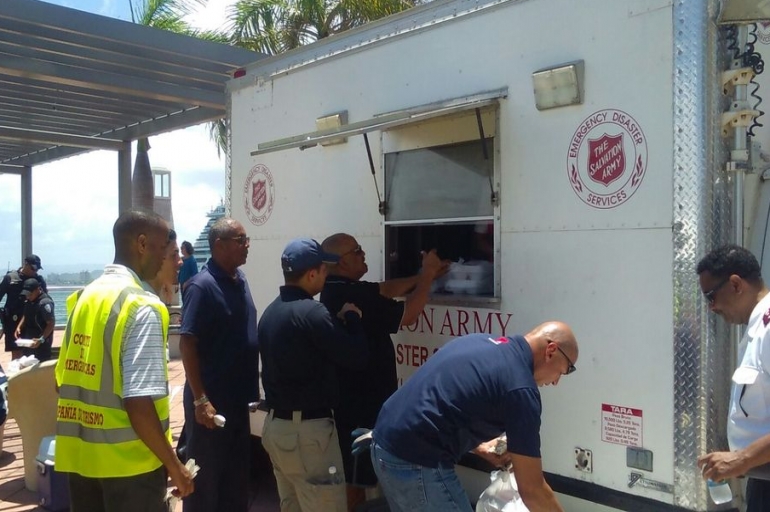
(59, 296)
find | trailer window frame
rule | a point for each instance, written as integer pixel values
(387, 147)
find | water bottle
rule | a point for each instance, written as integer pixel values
(334, 477)
(720, 491)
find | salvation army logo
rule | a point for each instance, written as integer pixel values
(763, 32)
(607, 158)
(259, 195)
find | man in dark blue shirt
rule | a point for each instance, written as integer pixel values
(220, 355)
(11, 288)
(364, 389)
(467, 394)
(302, 345)
(38, 321)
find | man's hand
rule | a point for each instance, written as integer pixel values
(36, 342)
(431, 264)
(17, 334)
(487, 452)
(181, 479)
(348, 307)
(719, 466)
(443, 270)
(204, 414)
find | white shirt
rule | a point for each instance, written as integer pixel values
(749, 417)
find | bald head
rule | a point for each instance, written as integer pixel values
(337, 243)
(554, 348)
(556, 332)
(352, 263)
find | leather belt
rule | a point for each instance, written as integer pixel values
(312, 414)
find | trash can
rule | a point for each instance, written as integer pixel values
(52, 487)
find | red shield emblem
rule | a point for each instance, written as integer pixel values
(606, 158)
(259, 194)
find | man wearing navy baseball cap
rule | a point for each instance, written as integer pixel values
(302, 346)
(11, 287)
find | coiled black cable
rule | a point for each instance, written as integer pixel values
(754, 60)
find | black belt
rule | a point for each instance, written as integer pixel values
(312, 414)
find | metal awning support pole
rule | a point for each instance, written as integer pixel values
(124, 179)
(26, 212)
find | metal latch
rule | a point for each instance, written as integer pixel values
(637, 478)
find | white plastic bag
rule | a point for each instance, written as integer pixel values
(501, 495)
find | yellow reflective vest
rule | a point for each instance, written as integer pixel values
(94, 437)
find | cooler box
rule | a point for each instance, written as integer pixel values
(52, 487)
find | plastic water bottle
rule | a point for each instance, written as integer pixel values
(334, 477)
(720, 491)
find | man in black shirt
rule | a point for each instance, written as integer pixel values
(10, 288)
(365, 388)
(38, 320)
(302, 345)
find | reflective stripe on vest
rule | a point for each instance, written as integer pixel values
(94, 433)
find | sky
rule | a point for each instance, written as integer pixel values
(74, 201)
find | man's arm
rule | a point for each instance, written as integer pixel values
(143, 376)
(722, 465)
(415, 301)
(145, 422)
(19, 327)
(346, 344)
(398, 287)
(535, 491)
(50, 320)
(193, 310)
(205, 412)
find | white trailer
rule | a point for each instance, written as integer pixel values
(579, 157)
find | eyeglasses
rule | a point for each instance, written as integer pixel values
(356, 250)
(571, 367)
(711, 294)
(241, 239)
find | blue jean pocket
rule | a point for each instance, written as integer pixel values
(402, 482)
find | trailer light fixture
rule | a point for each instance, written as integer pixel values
(331, 122)
(558, 86)
(743, 11)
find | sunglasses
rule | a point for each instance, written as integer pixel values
(241, 239)
(571, 367)
(711, 294)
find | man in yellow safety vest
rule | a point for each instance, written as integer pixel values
(112, 423)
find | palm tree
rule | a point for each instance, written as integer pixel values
(276, 26)
(167, 15)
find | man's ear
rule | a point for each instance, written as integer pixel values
(141, 243)
(737, 283)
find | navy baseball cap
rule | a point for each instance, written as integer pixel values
(304, 253)
(34, 261)
(29, 286)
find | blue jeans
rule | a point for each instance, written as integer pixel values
(410, 487)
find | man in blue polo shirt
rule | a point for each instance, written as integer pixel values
(219, 352)
(464, 397)
(302, 346)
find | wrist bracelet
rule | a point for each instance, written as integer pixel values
(202, 400)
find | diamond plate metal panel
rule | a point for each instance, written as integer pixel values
(702, 220)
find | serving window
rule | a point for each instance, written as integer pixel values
(441, 197)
